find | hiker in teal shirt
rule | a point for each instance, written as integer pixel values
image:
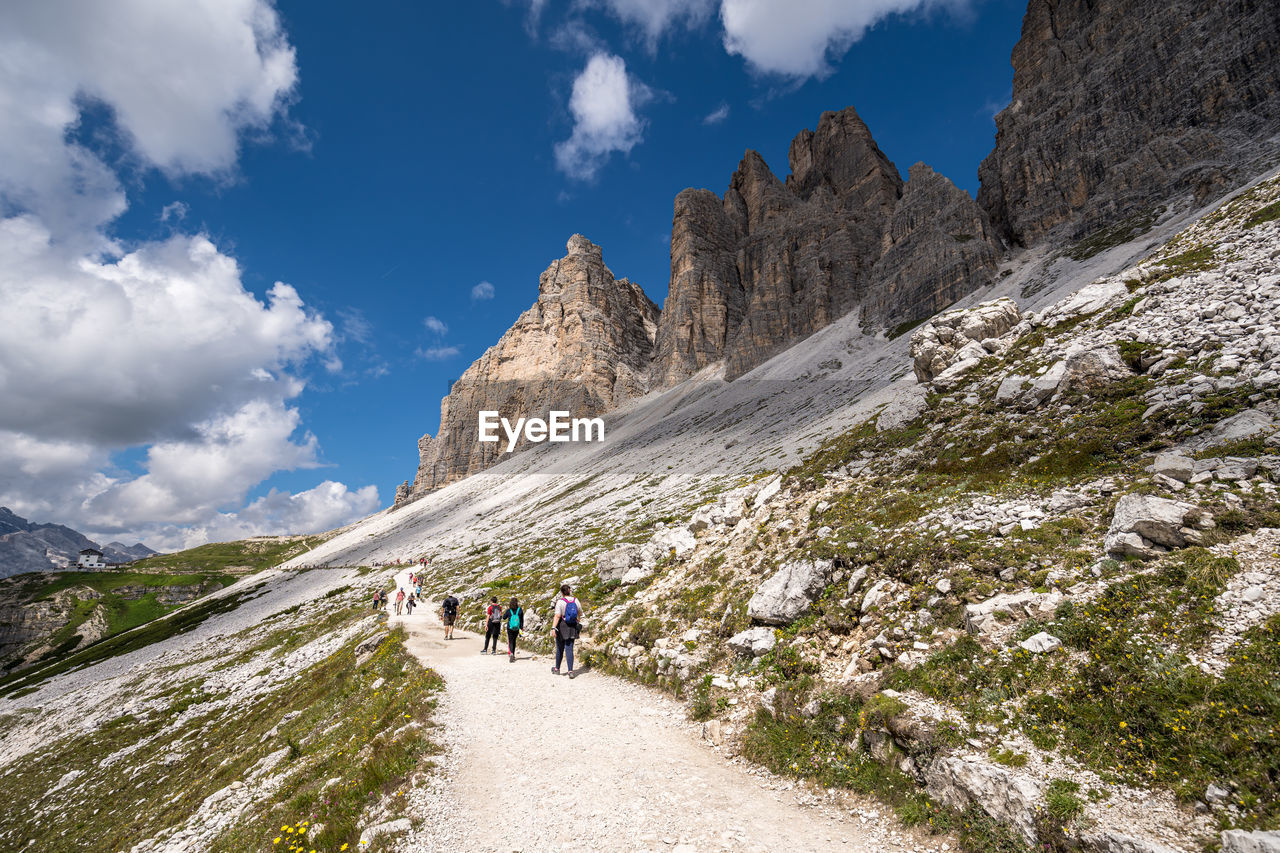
(513, 618)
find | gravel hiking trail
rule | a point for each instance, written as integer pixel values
(538, 762)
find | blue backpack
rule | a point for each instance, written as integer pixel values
(571, 612)
(514, 620)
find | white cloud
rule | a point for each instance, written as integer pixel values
(717, 115)
(189, 480)
(798, 38)
(603, 105)
(435, 326)
(482, 291)
(182, 81)
(533, 16)
(177, 211)
(654, 17)
(154, 348)
(437, 353)
(324, 507)
(133, 351)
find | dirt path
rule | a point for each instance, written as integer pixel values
(537, 762)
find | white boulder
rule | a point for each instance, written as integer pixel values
(788, 593)
(1143, 525)
(753, 641)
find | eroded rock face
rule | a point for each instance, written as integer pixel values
(584, 347)
(939, 247)
(787, 594)
(1120, 104)
(772, 262)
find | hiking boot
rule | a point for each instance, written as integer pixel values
(572, 674)
(512, 657)
(555, 670)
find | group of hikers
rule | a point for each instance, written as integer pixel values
(403, 603)
(566, 624)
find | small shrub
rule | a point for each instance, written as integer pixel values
(1061, 800)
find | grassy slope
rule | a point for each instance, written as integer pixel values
(369, 740)
(209, 567)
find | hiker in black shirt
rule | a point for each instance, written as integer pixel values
(493, 623)
(448, 613)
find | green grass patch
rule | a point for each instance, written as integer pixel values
(152, 632)
(1270, 213)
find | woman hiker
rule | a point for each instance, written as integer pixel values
(493, 621)
(513, 618)
(565, 628)
(408, 605)
(399, 601)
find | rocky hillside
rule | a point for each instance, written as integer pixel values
(584, 347)
(1026, 590)
(1122, 107)
(1048, 602)
(29, 547)
(274, 712)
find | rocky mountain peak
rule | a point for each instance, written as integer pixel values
(842, 157)
(584, 347)
(579, 245)
(775, 261)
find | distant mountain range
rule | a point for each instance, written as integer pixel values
(29, 547)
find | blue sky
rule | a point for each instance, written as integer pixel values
(382, 161)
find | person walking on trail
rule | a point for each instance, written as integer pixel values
(399, 601)
(493, 622)
(377, 599)
(513, 618)
(449, 613)
(565, 627)
(408, 605)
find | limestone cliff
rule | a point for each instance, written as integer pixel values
(1118, 105)
(772, 262)
(584, 347)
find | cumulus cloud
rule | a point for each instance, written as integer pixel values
(603, 105)
(180, 81)
(324, 507)
(799, 38)
(652, 18)
(482, 291)
(435, 326)
(156, 348)
(717, 115)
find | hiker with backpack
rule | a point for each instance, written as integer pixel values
(565, 626)
(513, 618)
(448, 614)
(493, 623)
(408, 605)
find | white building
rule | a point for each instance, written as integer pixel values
(90, 558)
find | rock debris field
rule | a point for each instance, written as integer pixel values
(535, 762)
